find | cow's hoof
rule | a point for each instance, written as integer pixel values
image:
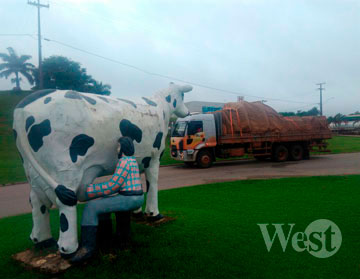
(156, 218)
(46, 244)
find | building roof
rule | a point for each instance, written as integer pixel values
(352, 117)
(196, 106)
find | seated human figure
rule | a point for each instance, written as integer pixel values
(121, 194)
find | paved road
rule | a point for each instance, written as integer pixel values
(14, 199)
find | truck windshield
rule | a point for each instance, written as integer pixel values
(179, 130)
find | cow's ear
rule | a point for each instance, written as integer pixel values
(186, 88)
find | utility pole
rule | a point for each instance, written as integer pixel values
(39, 5)
(321, 89)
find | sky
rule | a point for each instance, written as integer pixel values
(273, 50)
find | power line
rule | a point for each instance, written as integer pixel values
(161, 75)
(169, 77)
(17, 35)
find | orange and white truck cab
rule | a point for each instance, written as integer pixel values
(192, 134)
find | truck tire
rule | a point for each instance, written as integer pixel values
(204, 159)
(296, 152)
(280, 153)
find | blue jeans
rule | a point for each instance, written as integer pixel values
(104, 206)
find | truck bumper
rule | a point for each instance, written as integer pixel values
(185, 155)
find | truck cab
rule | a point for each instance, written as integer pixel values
(193, 137)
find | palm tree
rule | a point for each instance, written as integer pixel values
(99, 87)
(14, 64)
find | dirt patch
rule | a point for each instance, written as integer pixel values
(42, 261)
(143, 220)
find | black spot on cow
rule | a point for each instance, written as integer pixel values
(33, 97)
(150, 102)
(43, 209)
(104, 99)
(89, 100)
(157, 142)
(64, 224)
(147, 185)
(65, 195)
(162, 153)
(128, 102)
(36, 134)
(168, 98)
(128, 129)
(15, 134)
(174, 103)
(29, 121)
(47, 100)
(79, 146)
(181, 145)
(146, 162)
(72, 95)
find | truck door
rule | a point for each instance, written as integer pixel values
(195, 134)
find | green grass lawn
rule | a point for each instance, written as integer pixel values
(215, 234)
(344, 144)
(11, 169)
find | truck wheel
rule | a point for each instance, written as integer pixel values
(296, 152)
(280, 153)
(204, 159)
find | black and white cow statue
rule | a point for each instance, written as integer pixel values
(67, 139)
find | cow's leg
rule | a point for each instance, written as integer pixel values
(68, 240)
(41, 232)
(152, 174)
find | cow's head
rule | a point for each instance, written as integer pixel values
(176, 99)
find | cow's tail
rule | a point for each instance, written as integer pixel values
(65, 195)
(19, 126)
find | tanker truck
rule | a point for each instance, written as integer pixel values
(247, 128)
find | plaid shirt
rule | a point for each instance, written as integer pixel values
(126, 180)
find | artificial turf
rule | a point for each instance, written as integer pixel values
(215, 234)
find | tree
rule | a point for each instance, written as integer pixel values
(338, 118)
(312, 112)
(63, 73)
(96, 87)
(14, 64)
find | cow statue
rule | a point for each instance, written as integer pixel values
(66, 139)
